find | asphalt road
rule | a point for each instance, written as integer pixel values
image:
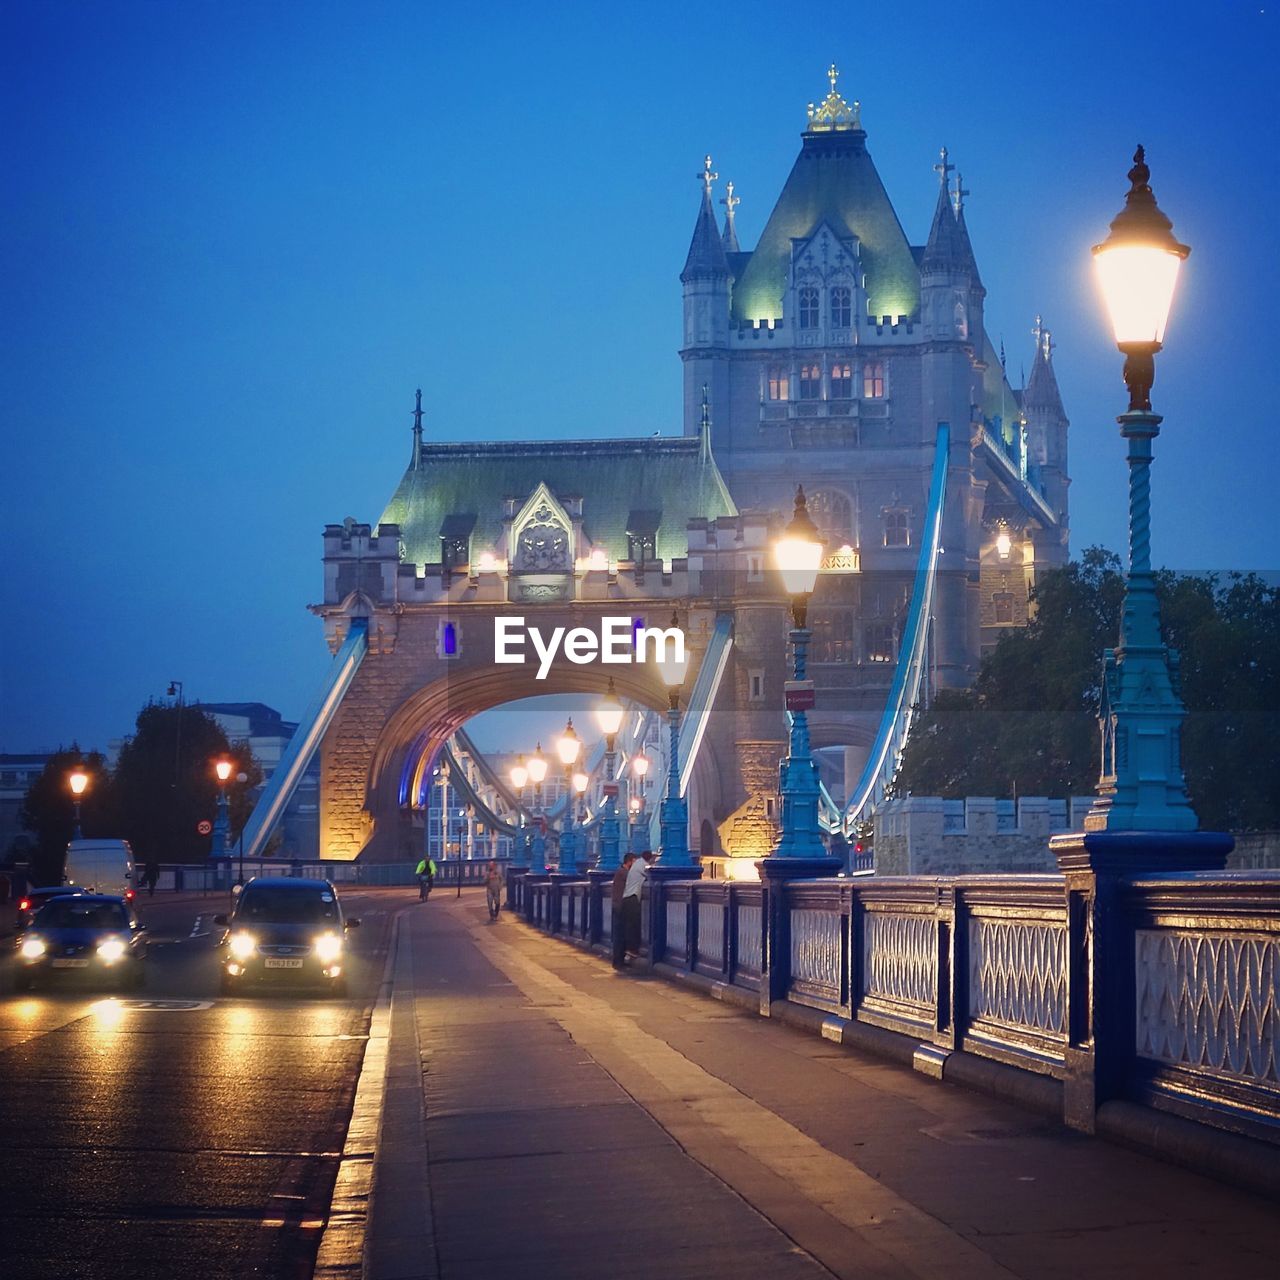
(197, 1136)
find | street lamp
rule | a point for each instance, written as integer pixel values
(568, 747)
(798, 554)
(241, 778)
(537, 772)
(639, 829)
(673, 817)
(222, 824)
(519, 777)
(609, 716)
(1141, 785)
(77, 781)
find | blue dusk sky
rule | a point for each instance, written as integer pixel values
(237, 236)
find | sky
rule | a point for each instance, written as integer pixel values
(235, 237)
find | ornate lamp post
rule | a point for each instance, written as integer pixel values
(222, 823)
(77, 781)
(609, 716)
(568, 747)
(798, 554)
(241, 778)
(537, 772)
(1141, 786)
(673, 817)
(519, 778)
(639, 827)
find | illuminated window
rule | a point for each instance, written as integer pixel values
(841, 306)
(873, 379)
(841, 381)
(832, 512)
(832, 636)
(878, 642)
(810, 382)
(779, 383)
(897, 529)
(808, 308)
(1003, 605)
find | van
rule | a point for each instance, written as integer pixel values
(100, 866)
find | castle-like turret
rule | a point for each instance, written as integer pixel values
(1047, 424)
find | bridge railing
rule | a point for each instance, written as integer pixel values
(216, 876)
(1003, 981)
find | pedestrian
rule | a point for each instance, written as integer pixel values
(151, 877)
(618, 929)
(631, 891)
(426, 873)
(493, 888)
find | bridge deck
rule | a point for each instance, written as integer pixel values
(571, 1122)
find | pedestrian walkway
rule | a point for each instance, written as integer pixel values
(547, 1117)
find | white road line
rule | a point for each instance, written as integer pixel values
(196, 930)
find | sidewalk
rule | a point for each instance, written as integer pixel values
(548, 1117)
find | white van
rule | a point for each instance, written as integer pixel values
(100, 866)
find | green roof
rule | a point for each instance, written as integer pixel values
(660, 482)
(835, 181)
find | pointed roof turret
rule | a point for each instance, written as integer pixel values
(946, 246)
(1041, 391)
(833, 180)
(704, 428)
(962, 230)
(730, 237)
(706, 260)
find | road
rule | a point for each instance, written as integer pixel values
(198, 1138)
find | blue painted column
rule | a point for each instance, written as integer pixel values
(569, 839)
(673, 817)
(798, 778)
(610, 834)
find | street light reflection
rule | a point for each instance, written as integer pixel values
(109, 1013)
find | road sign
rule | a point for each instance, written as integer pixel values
(799, 695)
(204, 827)
(610, 789)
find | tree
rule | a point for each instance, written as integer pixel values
(1029, 724)
(48, 808)
(165, 782)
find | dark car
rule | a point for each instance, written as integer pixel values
(285, 930)
(83, 935)
(34, 899)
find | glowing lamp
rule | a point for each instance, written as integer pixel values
(580, 782)
(1004, 544)
(568, 745)
(640, 764)
(634, 804)
(537, 766)
(599, 558)
(519, 774)
(78, 781)
(610, 713)
(1137, 267)
(488, 562)
(798, 553)
(223, 769)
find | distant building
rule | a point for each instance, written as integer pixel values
(268, 735)
(17, 773)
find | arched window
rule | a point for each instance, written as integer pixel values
(878, 642)
(808, 307)
(810, 382)
(897, 528)
(779, 382)
(832, 512)
(832, 636)
(873, 379)
(841, 307)
(841, 380)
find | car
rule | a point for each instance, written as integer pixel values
(285, 929)
(95, 936)
(34, 899)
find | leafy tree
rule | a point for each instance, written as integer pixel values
(1029, 724)
(48, 809)
(165, 782)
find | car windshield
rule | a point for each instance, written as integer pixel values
(72, 913)
(286, 906)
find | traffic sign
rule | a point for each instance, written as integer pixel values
(204, 827)
(799, 695)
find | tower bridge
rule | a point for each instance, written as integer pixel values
(836, 355)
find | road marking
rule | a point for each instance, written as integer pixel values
(897, 1237)
(196, 930)
(168, 1006)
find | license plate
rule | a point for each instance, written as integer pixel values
(70, 964)
(283, 964)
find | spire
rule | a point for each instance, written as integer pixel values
(704, 429)
(730, 237)
(962, 229)
(833, 114)
(1041, 391)
(945, 247)
(417, 429)
(706, 258)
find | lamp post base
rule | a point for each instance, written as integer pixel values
(1130, 853)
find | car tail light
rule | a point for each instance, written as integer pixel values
(24, 904)
(128, 895)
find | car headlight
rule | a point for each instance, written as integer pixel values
(33, 948)
(242, 945)
(328, 948)
(110, 951)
